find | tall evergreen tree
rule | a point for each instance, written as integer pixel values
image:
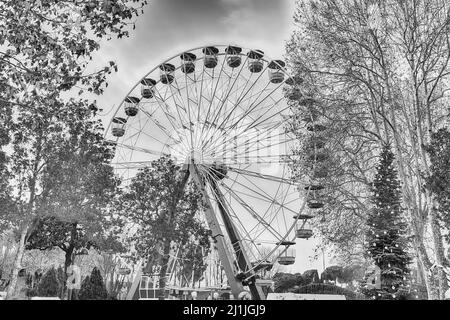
(93, 287)
(386, 242)
(49, 285)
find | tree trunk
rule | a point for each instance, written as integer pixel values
(164, 265)
(439, 254)
(69, 258)
(17, 265)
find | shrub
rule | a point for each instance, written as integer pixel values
(320, 288)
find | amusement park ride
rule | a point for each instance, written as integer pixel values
(221, 111)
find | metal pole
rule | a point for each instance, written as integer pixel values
(217, 234)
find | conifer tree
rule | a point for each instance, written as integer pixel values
(93, 287)
(49, 286)
(385, 238)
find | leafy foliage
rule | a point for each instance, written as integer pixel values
(78, 186)
(332, 273)
(47, 44)
(192, 257)
(285, 282)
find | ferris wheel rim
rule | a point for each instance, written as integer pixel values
(267, 59)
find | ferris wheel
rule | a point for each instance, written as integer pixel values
(221, 112)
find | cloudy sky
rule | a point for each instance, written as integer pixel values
(169, 27)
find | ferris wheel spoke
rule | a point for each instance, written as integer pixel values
(140, 132)
(159, 125)
(165, 108)
(215, 87)
(188, 111)
(257, 104)
(242, 96)
(222, 125)
(262, 176)
(178, 93)
(214, 97)
(177, 106)
(230, 88)
(228, 205)
(257, 124)
(252, 125)
(139, 149)
(200, 94)
(225, 120)
(273, 198)
(264, 196)
(258, 143)
(254, 214)
(132, 165)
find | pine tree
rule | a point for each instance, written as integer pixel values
(98, 286)
(385, 237)
(49, 286)
(85, 290)
(93, 287)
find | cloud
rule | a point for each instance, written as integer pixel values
(169, 27)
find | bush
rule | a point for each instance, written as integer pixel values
(320, 288)
(49, 285)
(311, 276)
(93, 287)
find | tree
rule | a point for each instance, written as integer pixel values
(64, 172)
(386, 242)
(164, 207)
(6, 202)
(46, 47)
(78, 186)
(379, 73)
(283, 282)
(310, 276)
(85, 290)
(332, 273)
(93, 287)
(352, 273)
(49, 285)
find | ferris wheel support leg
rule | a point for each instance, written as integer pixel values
(242, 258)
(225, 256)
(134, 286)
